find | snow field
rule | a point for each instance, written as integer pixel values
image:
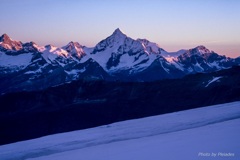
(213, 129)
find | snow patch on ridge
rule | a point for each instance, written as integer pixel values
(76, 71)
(215, 79)
(21, 60)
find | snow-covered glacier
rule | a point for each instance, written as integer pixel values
(210, 132)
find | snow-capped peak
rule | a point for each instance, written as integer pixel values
(30, 46)
(202, 49)
(119, 55)
(4, 38)
(118, 35)
(118, 32)
(112, 42)
(7, 43)
(72, 45)
(54, 50)
(75, 49)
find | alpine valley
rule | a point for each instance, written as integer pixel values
(27, 66)
(46, 90)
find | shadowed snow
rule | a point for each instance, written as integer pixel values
(139, 138)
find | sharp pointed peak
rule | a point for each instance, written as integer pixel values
(118, 32)
(4, 37)
(8, 43)
(73, 44)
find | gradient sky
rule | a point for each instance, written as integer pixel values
(173, 24)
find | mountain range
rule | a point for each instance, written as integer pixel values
(28, 66)
(77, 87)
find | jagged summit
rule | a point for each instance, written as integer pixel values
(4, 38)
(73, 44)
(49, 46)
(201, 47)
(31, 43)
(200, 50)
(30, 47)
(7, 43)
(75, 49)
(117, 57)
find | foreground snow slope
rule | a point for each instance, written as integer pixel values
(190, 134)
